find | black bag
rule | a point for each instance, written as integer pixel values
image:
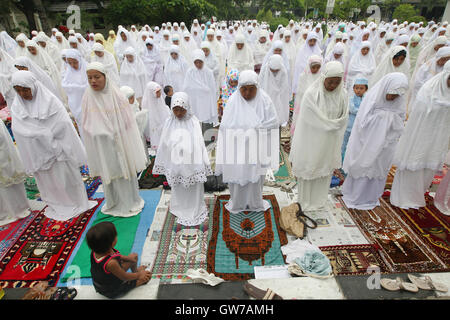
(215, 184)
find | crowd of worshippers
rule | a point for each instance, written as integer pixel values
(361, 98)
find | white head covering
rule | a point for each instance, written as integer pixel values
(361, 65)
(175, 70)
(240, 59)
(133, 74)
(320, 127)
(387, 66)
(108, 61)
(190, 164)
(377, 127)
(110, 133)
(120, 46)
(6, 70)
(7, 43)
(302, 57)
(42, 128)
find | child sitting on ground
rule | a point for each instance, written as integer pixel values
(360, 87)
(168, 91)
(108, 267)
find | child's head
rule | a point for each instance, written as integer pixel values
(180, 104)
(360, 87)
(102, 237)
(129, 93)
(168, 90)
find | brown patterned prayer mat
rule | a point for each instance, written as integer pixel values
(244, 240)
(430, 225)
(400, 247)
(355, 259)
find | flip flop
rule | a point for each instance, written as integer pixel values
(202, 276)
(260, 294)
(425, 283)
(398, 284)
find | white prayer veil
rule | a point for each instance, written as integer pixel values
(110, 133)
(378, 125)
(182, 155)
(387, 66)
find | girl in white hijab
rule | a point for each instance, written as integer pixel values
(396, 60)
(183, 159)
(249, 113)
(375, 133)
(274, 80)
(49, 147)
(311, 47)
(154, 103)
(260, 49)
(307, 78)
(6, 71)
(188, 45)
(133, 72)
(7, 43)
(430, 50)
(75, 83)
(240, 55)
(21, 49)
(211, 61)
(113, 143)
(423, 146)
(107, 59)
(316, 145)
(201, 87)
(337, 54)
(61, 41)
(50, 47)
(361, 63)
(384, 46)
(165, 45)
(153, 62)
(175, 69)
(24, 63)
(13, 198)
(122, 43)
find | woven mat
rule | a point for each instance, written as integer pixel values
(244, 240)
(42, 250)
(401, 248)
(181, 248)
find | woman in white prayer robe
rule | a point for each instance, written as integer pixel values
(49, 147)
(61, 41)
(8, 44)
(395, 61)
(13, 197)
(274, 80)
(188, 45)
(50, 47)
(133, 72)
(251, 117)
(430, 50)
(378, 126)
(240, 55)
(113, 143)
(175, 69)
(165, 45)
(107, 59)
(153, 62)
(25, 63)
(316, 145)
(362, 63)
(260, 49)
(337, 54)
(6, 71)
(201, 87)
(423, 146)
(43, 60)
(384, 46)
(21, 49)
(122, 43)
(154, 103)
(74, 84)
(183, 159)
(309, 48)
(211, 61)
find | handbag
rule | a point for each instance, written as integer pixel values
(295, 222)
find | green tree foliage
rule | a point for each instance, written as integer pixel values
(404, 12)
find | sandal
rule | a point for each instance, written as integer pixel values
(202, 276)
(425, 283)
(64, 294)
(260, 294)
(398, 284)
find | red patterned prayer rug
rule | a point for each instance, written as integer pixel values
(430, 225)
(12, 231)
(42, 250)
(401, 248)
(243, 240)
(354, 259)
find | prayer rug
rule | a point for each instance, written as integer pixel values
(430, 225)
(284, 173)
(401, 248)
(354, 259)
(131, 231)
(182, 247)
(242, 241)
(148, 180)
(42, 250)
(11, 232)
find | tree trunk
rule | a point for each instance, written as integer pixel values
(42, 15)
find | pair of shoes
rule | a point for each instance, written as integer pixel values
(425, 283)
(287, 185)
(202, 276)
(260, 294)
(295, 269)
(64, 293)
(398, 284)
